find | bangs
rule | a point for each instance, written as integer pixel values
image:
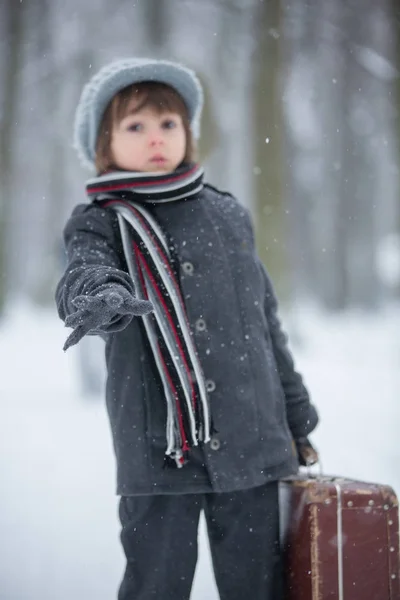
(158, 96)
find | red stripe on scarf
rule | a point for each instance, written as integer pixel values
(185, 446)
(141, 259)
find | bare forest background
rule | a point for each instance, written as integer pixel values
(301, 122)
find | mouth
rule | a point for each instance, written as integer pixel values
(158, 159)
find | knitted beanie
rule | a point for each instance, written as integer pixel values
(119, 74)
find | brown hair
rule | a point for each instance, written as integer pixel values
(151, 94)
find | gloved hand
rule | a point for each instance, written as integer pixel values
(306, 452)
(98, 310)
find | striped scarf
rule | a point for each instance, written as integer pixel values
(149, 260)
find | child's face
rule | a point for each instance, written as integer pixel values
(148, 141)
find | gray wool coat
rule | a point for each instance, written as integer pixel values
(258, 400)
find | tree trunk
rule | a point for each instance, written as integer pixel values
(11, 27)
(301, 143)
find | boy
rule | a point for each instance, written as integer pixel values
(200, 379)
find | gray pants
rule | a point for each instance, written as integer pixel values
(159, 537)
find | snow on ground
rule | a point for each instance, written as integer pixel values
(58, 518)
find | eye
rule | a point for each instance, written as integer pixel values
(168, 124)
(135, 127)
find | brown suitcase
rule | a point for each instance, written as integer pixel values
(340, 539)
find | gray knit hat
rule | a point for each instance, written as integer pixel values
(112, 78)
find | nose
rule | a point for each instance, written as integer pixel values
(155, 140)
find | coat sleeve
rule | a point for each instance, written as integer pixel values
(94, 260)
(301, 414)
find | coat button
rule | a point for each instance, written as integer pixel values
(215, 444)
(188, 268)
(200, 325)
(210, 385)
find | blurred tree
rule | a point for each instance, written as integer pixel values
(155, 22)
(396, 13)
(341, 154)
(371, 197)
(301, 141)
(268, 129)
(11, 41)
(33, 135)
(228, 73)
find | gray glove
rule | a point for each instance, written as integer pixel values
(98, 310)
(306, 452)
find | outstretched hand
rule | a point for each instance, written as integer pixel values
(95, 311)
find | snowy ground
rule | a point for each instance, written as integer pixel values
(58, 518)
